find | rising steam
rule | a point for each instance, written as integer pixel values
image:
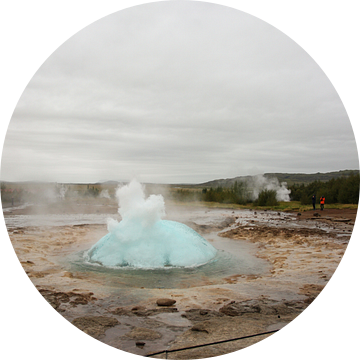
(259, 183)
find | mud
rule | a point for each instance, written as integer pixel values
(302, 253)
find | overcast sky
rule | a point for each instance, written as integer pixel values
(176, 92)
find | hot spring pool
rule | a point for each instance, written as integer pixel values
(233, 257)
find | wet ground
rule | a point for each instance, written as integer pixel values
(272, 267)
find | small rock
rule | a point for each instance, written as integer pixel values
(199, 315)
(140, 334)
(140, 344)
(165, 302)
(68, 274)
(237, 309)
(138, 308)
(120, 311)
(95, 325)
(199, 327)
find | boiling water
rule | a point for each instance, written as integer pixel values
(165, 243)
(143, 240)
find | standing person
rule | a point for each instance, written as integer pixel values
(322, 202)
(313, 198)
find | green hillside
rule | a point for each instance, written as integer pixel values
(291, 179)
(309, 178)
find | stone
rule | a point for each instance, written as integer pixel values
(56, 298)
(198, 315)
(165, 302)
(141, 311)
(264, 307)
(237, 309)
(95, 325)
(139, 333)
(121, 311)
(138, 308)
(200, 327)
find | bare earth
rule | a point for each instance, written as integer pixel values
(302, 253)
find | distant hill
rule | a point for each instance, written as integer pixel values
(308, 178)
(108, 182)
(283, 177)
(222, 182)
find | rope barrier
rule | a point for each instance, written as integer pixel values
(213, 343)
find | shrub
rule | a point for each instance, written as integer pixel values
(267, 198)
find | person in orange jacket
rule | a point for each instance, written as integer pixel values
(322, 202)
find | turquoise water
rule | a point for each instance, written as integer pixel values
(164, 243)
(235, 260)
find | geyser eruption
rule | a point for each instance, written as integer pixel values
(143, 240)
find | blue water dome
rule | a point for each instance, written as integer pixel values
(143, 240)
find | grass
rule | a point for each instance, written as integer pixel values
(283, 206)
(296, 206)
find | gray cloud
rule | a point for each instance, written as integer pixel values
(177, 92)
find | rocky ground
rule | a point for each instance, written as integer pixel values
(302, 250)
